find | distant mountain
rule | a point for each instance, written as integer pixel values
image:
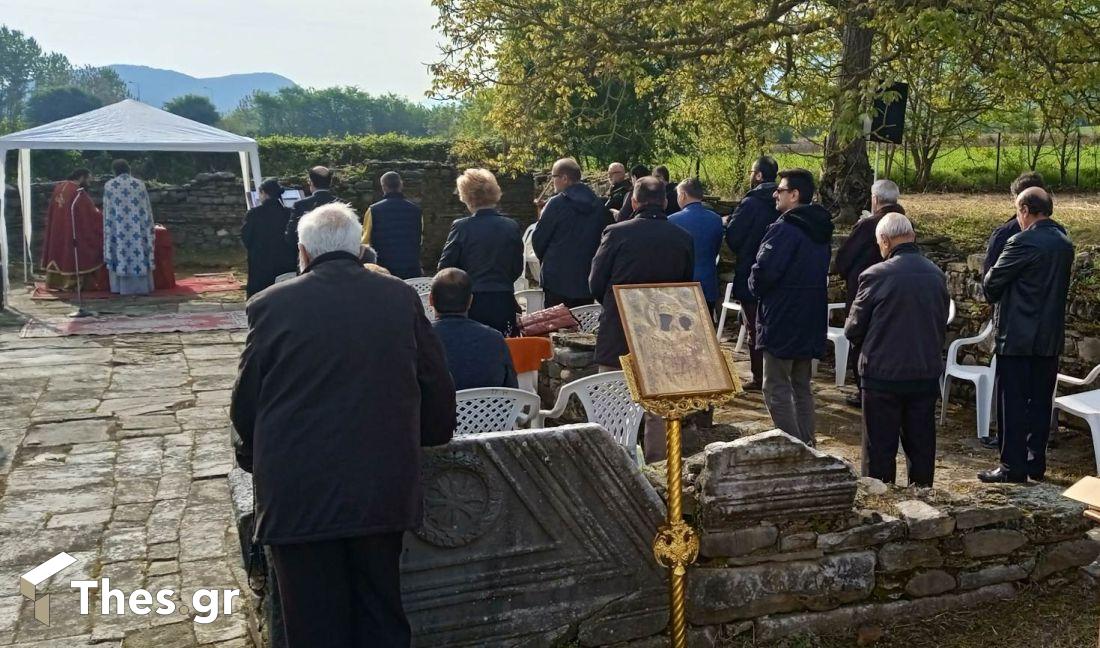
(157, 87)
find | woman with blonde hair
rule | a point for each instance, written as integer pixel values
(489, 247)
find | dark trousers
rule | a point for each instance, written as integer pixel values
(497, 310)
(342, 593)
(1027, 392)
(553, 299)
(756, 356)
(853, 361)
(889, 417)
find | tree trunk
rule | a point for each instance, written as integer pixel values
(846, 175)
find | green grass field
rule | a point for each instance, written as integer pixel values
(958, 169)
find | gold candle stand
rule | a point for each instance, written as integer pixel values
(677, 544)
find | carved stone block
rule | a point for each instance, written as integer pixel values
(771, 476)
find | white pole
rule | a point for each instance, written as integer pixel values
(4, 282)
(24, 182)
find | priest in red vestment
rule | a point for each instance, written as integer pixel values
(70, 202)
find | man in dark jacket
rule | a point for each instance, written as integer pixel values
(672, 201)
(1029, 283)
(637, 172)
(645, 249)
(1010, 227)
(993, 249)
(861, 251)
(320, 179)
(269, 255)
(393, 227)
(789, 278)
(477, 355)
(567, 235)
(341, 381)
(744, 231)
(620, 187)
(899, 320)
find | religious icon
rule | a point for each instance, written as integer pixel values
(672, 341)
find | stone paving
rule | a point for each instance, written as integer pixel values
(114, 449)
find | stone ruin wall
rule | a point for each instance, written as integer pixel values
(206, 213)
(792, 544)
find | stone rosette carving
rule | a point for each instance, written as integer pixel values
(461, 501)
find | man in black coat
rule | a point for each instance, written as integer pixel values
(789, 278)
(393, 226)
(567, 235)
(899, 320)
(672, 201)
(320, 179)
(620, 187)
(477, 355)
(744, 231)
(993, 249)
(637, 172)
(269, 255)
(341, 381)
(645, 249)
(1029, 283)
(861, 251)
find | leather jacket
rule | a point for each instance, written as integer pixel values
(1030, 283)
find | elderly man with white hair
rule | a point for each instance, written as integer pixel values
(620, 187)
(899, 320)
(341, 381)
(861, 251)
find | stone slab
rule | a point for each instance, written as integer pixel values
(925, 521)
(720, 595)
(992, 542)
(771, 476)
(1072, 553)
(866, 535)
(560, 541)
(903, 556)
(69, 433)
(846, 619)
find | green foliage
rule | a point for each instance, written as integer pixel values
(25, 68)
(334, 112)
(194, 107)
(283, 155)
(19, 61)
(50, 105)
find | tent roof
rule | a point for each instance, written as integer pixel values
(127, 126)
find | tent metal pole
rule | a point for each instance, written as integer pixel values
(5, 284)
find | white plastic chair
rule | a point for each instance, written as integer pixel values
(420, 284)
(606, 401)
(531, 260)
(841, 345)
(493, 409)
(532, 300)
(951, 312)
(1084, 404)
(983, 378)
(588, 317)
(428, 310)
(727, 305)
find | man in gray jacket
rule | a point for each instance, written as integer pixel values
(899, 317)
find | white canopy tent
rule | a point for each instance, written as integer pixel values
(124, 126)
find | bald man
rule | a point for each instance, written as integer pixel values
(620, 186)
(320, 193)
(1030, 285)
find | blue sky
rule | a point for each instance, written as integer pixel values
(378, 45)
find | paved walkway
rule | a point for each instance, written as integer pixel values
(114, 449)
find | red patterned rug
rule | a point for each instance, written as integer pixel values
(123, 325)
(196, 285)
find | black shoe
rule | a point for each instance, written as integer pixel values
(1000, 476)
(855, 400)
(1037, 478)
(992, 442)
